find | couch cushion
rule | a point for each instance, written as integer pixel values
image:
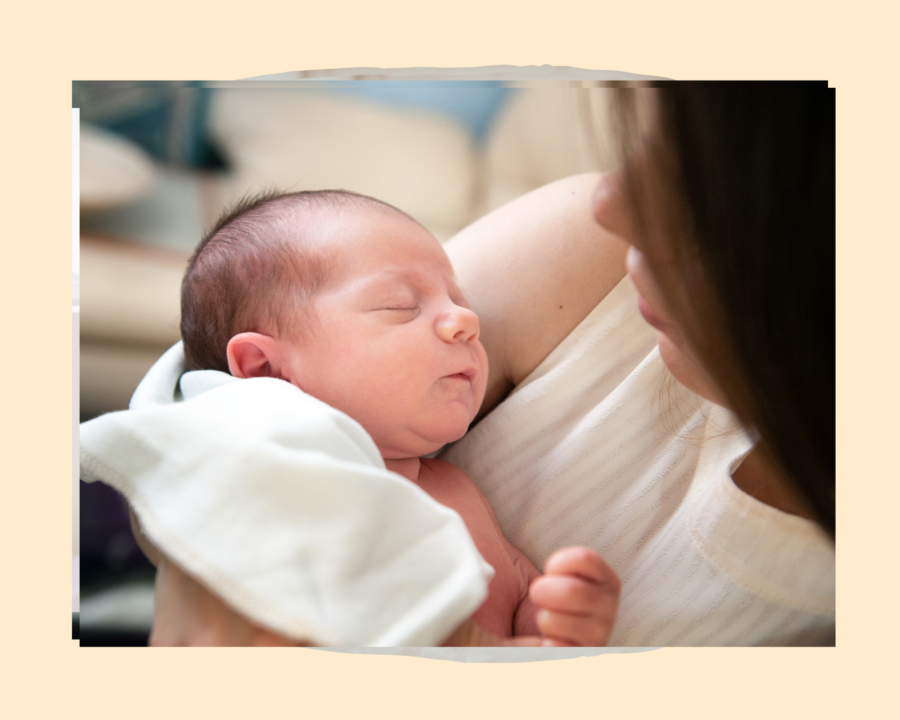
(130, 292)
(113, 170)
(310, 140)
(544, 134)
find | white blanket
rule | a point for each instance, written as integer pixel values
(282, 505)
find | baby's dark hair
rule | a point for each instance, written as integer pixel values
(255, 268)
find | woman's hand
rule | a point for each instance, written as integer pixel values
(189, 615)
(578, 596)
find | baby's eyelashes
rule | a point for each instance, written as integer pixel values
(402, 302)
(402, 314)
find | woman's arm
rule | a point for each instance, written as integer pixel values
(533, 270)
(189, 614)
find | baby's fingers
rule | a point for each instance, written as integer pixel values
(569, 594)
(565, 629)
(584, 562)
(578, 598)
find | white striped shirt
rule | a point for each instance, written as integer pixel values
(599, 446)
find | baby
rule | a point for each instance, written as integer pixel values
(356, 304)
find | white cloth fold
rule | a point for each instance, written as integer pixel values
(282, 505)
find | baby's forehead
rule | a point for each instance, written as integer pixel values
(339, 228)
(391, 276)
(401, 242)
(395, 274)
(353, 241)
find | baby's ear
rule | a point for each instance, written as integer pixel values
(253, 354)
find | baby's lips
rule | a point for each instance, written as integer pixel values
(469, 373)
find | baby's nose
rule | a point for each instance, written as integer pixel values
(459, 324)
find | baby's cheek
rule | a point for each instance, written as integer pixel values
(481, 383)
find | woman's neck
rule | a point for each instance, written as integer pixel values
(760, 480)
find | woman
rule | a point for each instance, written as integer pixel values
(719, 522)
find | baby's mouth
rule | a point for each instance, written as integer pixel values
(468, 375)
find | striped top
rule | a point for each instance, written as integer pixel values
(600, 446)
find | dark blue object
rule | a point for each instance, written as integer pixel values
(108, 548)
(166, 119)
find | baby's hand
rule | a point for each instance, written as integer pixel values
(577, 598)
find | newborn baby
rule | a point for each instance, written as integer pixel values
(356, 304)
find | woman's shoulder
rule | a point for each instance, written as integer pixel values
(532, 270)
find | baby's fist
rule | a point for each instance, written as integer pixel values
(577, 598)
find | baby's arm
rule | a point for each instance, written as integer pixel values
(573, 603)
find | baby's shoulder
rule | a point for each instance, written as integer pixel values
(448, 484)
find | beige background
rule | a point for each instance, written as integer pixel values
(45, 48)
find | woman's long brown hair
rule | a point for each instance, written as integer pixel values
(734, 183)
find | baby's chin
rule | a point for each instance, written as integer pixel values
(420, 444)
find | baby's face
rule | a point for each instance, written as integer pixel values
(393, 343)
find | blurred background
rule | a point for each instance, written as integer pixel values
(159, 161)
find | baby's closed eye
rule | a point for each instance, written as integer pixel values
(401, 313)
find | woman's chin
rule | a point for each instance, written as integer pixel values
(686, 370)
